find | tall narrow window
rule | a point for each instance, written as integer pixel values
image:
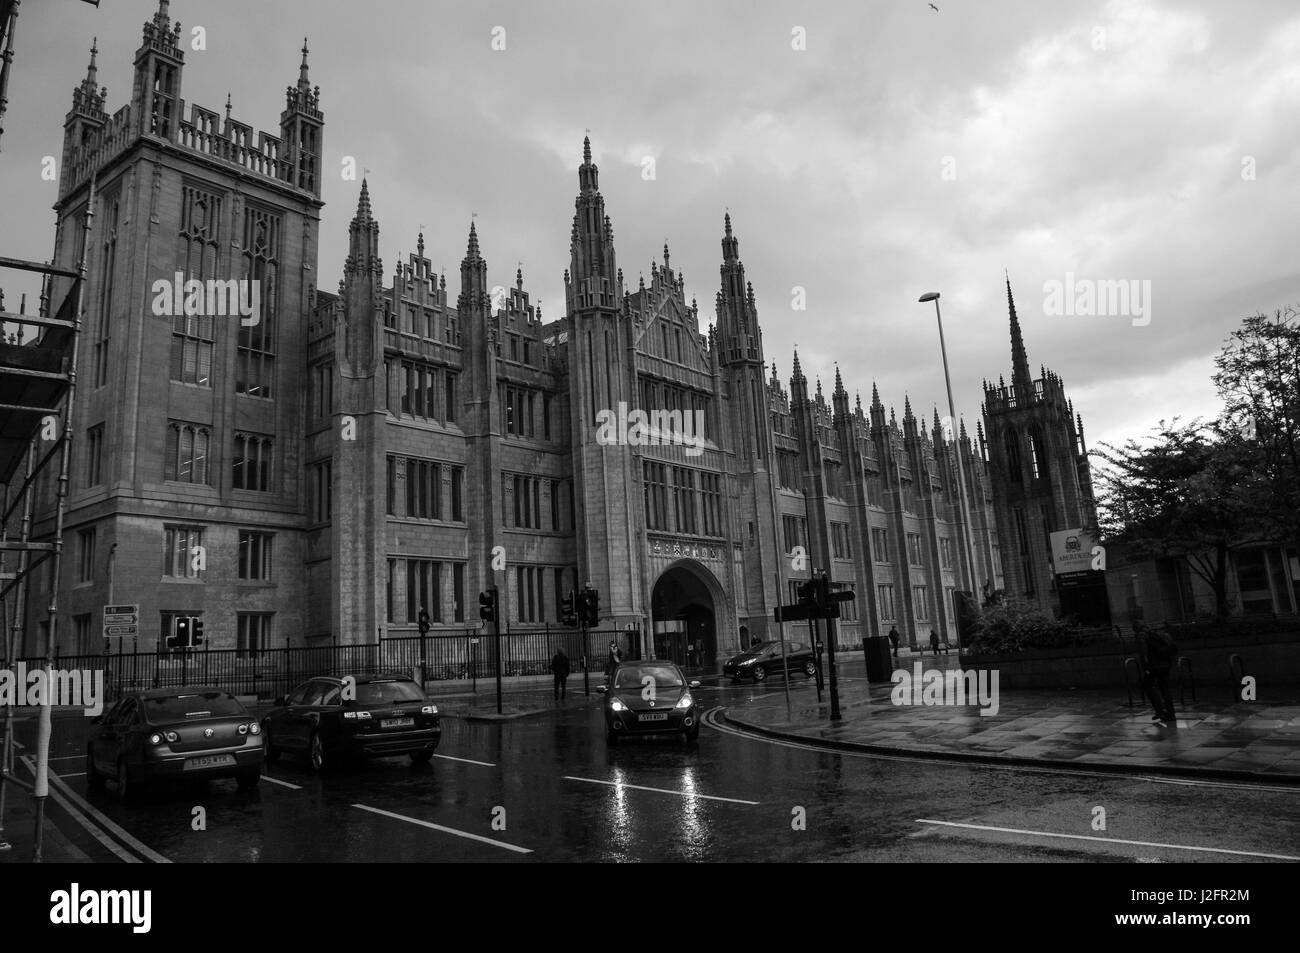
(255, 359)
(251, 465)
(186, 453)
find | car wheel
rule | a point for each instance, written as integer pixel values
(272, 753)
(810, 669)
(125, 786)
(316, 752)
(421, 757)
(249, 779)
(760, 673)
(94, 780)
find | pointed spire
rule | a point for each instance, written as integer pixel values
(363, 204)
(797, 371)
(726, 224)
(937, 425)
(302, 69)
(419, 245)
(875, 396)
(962, 431)
(859, 399)
(907, 408)
(665, 254)
(92, 70)
(1020, 378)
(471, 252)
(839, 383)
(227, 107)
(519, 276)
(586, 150)
(820, 399)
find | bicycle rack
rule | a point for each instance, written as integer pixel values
(1128, 684)
(1185, 662)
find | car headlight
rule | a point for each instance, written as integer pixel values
(254, 728)
(616, 705)
(354, 715)
(686, 701)
(155, 739)
(429, 710)
(173, 736)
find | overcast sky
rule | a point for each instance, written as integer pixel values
(901, 151)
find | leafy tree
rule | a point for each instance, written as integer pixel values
(1259, 381)
(1191, 494)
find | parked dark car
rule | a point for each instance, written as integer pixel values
(174, 734)
(764, 660)
(387, 715)
(649, 697)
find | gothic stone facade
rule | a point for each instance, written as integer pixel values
(351, 459)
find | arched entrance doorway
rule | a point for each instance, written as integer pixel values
(683, 617)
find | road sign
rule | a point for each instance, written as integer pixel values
(121, 621)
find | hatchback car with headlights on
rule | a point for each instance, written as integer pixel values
(647, 698)
(174, 734)
(765, 659)
(330, 719)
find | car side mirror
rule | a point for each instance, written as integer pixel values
(695, 684)
(601, 689)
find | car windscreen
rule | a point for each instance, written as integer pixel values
(192, 706)
(664, 677)
(388, 693)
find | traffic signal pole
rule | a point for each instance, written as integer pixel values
(825, 588)
(496, 625)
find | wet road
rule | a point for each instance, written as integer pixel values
(547, 788)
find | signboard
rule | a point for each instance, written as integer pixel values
(1072, 551)
(121, 621)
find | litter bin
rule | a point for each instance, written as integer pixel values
(879, 665)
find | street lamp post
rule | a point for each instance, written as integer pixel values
(961, 467)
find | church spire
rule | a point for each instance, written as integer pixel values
(471, 252)
(1021, 380)
(303, 84)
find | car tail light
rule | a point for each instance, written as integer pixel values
(429, 710)
(155, 739)
(355, 715)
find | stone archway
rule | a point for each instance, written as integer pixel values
(684, 605)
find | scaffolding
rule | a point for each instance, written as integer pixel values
(38, 387)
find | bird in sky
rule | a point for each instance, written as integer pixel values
(934, 8)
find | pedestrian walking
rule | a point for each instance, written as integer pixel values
(893, 638)
(560, 669)
(1157, 652)
(934, 642)
(611, 663)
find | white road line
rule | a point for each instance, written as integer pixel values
(448, 757)
(1243, 786)
(1109, 840)
(445, 830)
(267, 777)
(148, 853)
(91, 827)
(69, 757)
(73, 774)
(638, 787)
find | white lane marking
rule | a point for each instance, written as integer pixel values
(145, 851)
(1108, 840)
(638, 787)
(710, 718)
(90, 826)
(73, 774)
(1237, 785)
(267, 777)
(69, 757)
(448, 757)
(445, 830)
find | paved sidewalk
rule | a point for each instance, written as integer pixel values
(1064, 729)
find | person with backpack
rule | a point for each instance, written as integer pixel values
(1158, 652)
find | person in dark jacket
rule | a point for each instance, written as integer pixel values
(1157, 652)
(611, 663)
(934, 642)
(560, 669)
(893, 638)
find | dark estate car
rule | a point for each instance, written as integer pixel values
(386, 715)
(174, 734)
(649, 697)
(764, 660)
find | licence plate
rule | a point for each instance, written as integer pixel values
(396, 722)
(654, 716)
(211, 761)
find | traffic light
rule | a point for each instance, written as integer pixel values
(487, 605)
(181, 638)
(423, 621)
(567, 614)
(589, 607)
(196, 632)
(808, 592)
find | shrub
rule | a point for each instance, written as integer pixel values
(1017, 627)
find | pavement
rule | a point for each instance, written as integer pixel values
(1079, 729)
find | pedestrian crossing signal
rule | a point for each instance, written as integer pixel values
(196, 632)
(487, 606)
(180, 639)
